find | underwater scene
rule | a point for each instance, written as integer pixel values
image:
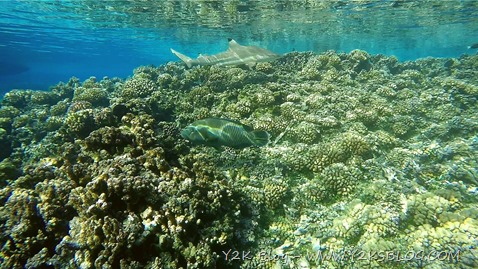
(239, 134)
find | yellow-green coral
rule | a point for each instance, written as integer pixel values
(367, 153)
(137, 88)
(275, 191)
(337, 180)
(95, 96)
(80, 123)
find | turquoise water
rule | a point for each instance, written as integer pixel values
(43, 42)
(332, 134)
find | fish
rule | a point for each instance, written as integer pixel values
(12, 68)
(235, 55)
(216, 132)
(474, 46)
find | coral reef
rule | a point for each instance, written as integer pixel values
(368, 156)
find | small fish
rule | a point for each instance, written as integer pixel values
(449, 63)
(235, 55)
(474, 46)
(216, 132)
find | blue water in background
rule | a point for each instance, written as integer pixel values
(44, 42)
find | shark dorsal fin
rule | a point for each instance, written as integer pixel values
(233, 44)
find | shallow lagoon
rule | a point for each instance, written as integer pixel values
(369, 155)
(372, 161)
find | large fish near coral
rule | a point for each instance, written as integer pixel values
(235, 55)
(216, 132)
(473, 46)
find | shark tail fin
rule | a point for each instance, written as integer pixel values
(188, 61)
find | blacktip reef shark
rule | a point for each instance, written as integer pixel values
(236, 54)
